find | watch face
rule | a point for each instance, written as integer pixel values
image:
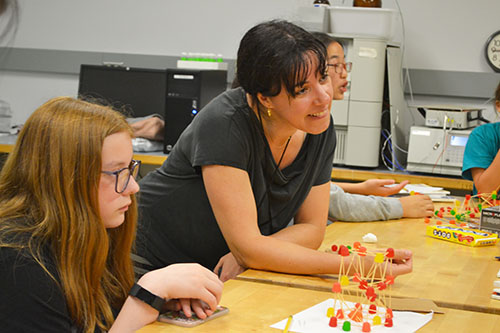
(493, 51)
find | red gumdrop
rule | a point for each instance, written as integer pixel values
(372, 298)
(336, 288)
(476, 209)
(381, 285)
(390, 253)
(333, 322)
(370, 292)
(334, 248)
(372, 309)
(356, 245)
(472, 215)
(388, 322)
(357, 306)
(389, 279)
(388, 313)
(366, 327)
(344, 251)
(467, 197)
(356, 277)
(340, 314)
(427, 220)
(362, 251)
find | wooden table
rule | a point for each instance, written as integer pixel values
(253, 307)
(338, 174)
(452, 275)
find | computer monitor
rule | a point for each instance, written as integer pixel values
(137, 92)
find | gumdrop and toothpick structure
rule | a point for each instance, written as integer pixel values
(467, 212)
(368, 285)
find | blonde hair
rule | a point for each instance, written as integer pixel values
(49, 201)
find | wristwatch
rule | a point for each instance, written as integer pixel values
(147, 297)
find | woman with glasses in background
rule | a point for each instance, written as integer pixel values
(366, 201)
(67, 225)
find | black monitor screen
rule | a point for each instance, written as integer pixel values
(137, 92)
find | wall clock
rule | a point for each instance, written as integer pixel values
(492, 51)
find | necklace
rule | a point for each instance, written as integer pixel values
(283, 153)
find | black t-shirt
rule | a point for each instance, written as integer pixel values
(30, 300)
(176, 222)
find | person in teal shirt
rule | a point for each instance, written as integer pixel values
(481, 162)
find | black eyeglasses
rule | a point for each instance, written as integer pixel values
(123, 175)
(347, 66)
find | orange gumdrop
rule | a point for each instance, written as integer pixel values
(356, 245)
(336, 288)
(340, 314)
(366, 327)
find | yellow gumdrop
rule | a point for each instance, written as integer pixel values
(412, 192)
(344, 281)
(379, 258)
(376, 320)
(457, 203)
(330, 312)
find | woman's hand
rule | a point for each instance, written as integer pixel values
(185, 281)
(402, 263)
(229, 267)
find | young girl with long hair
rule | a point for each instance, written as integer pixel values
(67, 225)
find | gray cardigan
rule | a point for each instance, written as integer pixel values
(354, 207)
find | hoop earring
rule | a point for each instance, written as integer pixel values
(269, 113)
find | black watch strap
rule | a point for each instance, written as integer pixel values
(147, 297)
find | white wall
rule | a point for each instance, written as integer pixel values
(439, 34)
(448, 34)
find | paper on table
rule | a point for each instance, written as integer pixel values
(314, 320)
(422, 188)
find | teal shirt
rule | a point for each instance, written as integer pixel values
(481, 149)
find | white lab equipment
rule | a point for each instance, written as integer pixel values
(437, 150)
(457, 117)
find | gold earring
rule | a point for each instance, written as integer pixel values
(269, 113)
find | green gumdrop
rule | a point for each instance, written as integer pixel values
(347, 326)
(452, 212)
